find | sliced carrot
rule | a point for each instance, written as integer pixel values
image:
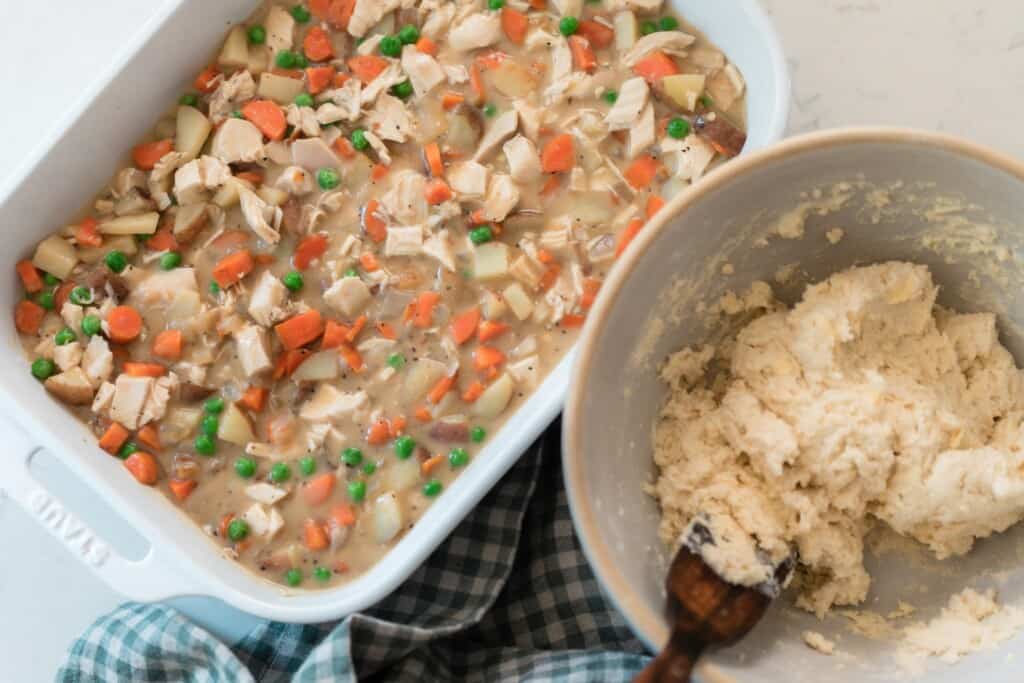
(583, 57)
(343, 146)
(182, 488)
(143, 467)
(267, 116)
(28, 316)
(168, 344)
(515, 25)
(204, 81)
(486, 357)
(113, 438)
(367, 67)
(375, 228)
(559, 154)
(30, 278)
(631, 231)
(397, 425)
(545, 256)
(379, 172)
(233, 268)
(318, 489)
(318, 78)
(294, 74)
(335, 334)
(368, 260)
(464, 325)
(442, 387)
(147, 154)
(357, 327)
(591, 286)
(343, 514)
(642, 172)
(432, 155)
(473, 392)
(136, 369)
(572, 320)
(289, 361)
(320, 8)
(317, 45)
(340, 79)
(340, 12)
(230, 239)
(599, 35)
(550, 276)
(149, 436)
(314, 535)
(125, 324)
(491, 60)
(310, 248)
(654, 205)
(222, 527)
(450, 100)
(437, 191)
(386, 330)
(162, 240)
(352, 357)
(431, 464)
(477, 217)
(378, 433)
(476, 84)
(491, 329)
(300, 329)
(254, 398)
(539, 4)
(426, 46)
(655, 66)
(423, 414)
(88, 233)
(425, 308)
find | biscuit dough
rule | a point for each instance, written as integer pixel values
(866, 402)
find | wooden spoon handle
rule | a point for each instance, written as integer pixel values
(673, 664)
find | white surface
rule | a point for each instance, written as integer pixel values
(942, 65)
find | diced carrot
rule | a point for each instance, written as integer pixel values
(515, 25)
(136, 369)
(289, 361)
(88, 233)
(182, 488)
(476, 84)
(318, 78)
(378, 433)
(222, 527)
(599, 35)
(550, 276)
(425, 308)
(642, 172)
(549, 187)
(352, 357)
(486, 357)
(591, 286)
(368, 260)
(437, 191)
(267, 116)
(374, 226)
(473, 392)
(264, 259)
(147, 154)
(340, 79)
(478, 217)
(450, 100)
(310, 248)
(320, 8)
(230, 239)
(254, 177)
(423, 414)
(143, 467)
(294, 74)
(300, 329)
(655, 66)
(340, 12)
(204, 81)
(168, 344)
(631, 231)
(335, 335)
(254, 398)
(426, 46)
(386, 330)
(464, 325)
(60, 297)
(125, 324)
(431, 464)
(559, 154)
(379, 172)
(343, 514)
(583, 57)
(545, 256)
(367, 67)
(343, 146)
(442, 387)
(654, 205)
(149, 436)
(491, 329)
(30, 278)
(314, 535)
(357, 327)
(491, 60)
(113, 438)
(162, 240)
(317, 45)
(572, 320)
(409, 312)
(432, 155)
(539, 4)
(233, 268)
(397, 425)
(318, 489)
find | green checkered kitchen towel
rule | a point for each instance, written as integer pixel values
(508, 597)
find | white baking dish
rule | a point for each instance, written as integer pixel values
(86, 148)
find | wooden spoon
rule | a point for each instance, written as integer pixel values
(708, 610)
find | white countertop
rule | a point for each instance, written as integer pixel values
(938, 64)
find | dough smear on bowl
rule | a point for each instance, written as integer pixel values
(864, 403)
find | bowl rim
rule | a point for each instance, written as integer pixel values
(649, 624)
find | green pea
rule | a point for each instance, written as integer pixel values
(351, 272)
(402, 90)
(668, 24)
(293, 577)
(705, 101)
(300, 61)
(205, 445)
(47, 300)
(358, 139)
(352, 456)
(214, 406)
(286, 59)
(648, 27)
(396, 360)
(81, 296)
(214, 288)
(42, 368)
(432, 488)
(51, 280)
(210, 425)
(496, 4)
(328, 178)
(568, 26)
(189, 100)
(300, 14)
(91, 324)
(390, 46)
(481, 235)
(408, 34)
(611, 97)
(257, 35)
(322, 574)
(307, 466)
(127, 449)
(678, 128)
(65, 336)
(245, 467)
(458, 457)
(170, 260)
(237, 114)
(404, 447)
(293, 281)
(369, 468)
(490, 109)
(238, 529)
(280, 472)
(477, 434)
(357, 490)
(304, 99)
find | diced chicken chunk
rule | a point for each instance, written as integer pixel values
(523, 160)
(98, 360)
(476, 31)
(266, 305)
(468, 179)
(502, 197)
(262, 523)
(162, 286)
(239, 88)
(632, 99)
(379, 148)
(669, 41)
(568, 8)
(349, 295)
(405, 200)
(193, 179)
(295, 180)
(438, 20)
(347, 98)
(67, 356)
(260, 216)
(104, 398)
(280, 28)
(265, 493)
(72, 315)
(367, 13)
(423, 71)
(71, 386)
(313, 154)
(692, 159)
(501, 130)
(130, 395)
(189, 221)
(641, 135)
(159, 396)
(439, 245)
(404, 241)
(329, 404)
(253, 350)
(237, 140)
(725, 87)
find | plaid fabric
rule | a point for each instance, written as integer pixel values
(508, 597)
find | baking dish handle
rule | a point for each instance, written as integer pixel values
(152, 578)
